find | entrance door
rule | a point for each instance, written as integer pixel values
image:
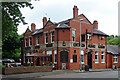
(64, 58)
(38, 62)
(90, 59)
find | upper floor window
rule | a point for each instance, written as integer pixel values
(115, 59)
(96, 57)
(88, 36)
(103, 57)
(52, 36)
(83, 37)
(25, 42)
(37, 40)
(30, 41)
(46, 37)
(73, 35)
(102, 37)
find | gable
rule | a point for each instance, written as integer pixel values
(27, 31)
(49, 24)
(77, 19)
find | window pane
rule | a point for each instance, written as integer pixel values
(74, 58)
(73, 35)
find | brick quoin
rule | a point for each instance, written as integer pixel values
(63, 42)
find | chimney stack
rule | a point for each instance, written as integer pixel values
(33, 26)
(44, 21)
(75, 11)
(95, 24)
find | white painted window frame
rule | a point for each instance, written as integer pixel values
(55, 52)
(82, 53)
(73, 35)
(37, 40)
(97, 56)
(103, 54)
(115, 57)
(51, 36)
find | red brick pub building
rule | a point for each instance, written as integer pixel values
(58, 44)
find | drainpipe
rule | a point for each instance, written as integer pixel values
(86, 46)
(106, 51)
(57, 49)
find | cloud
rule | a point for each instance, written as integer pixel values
(105, 11)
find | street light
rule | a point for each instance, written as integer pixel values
(80, 45)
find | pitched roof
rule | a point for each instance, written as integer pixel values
(114, 49)
(61, 26)
(37, 54)
(38, 31)
(67, 21)
(98, 32)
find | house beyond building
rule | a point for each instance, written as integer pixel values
(58, 44)
(113, 56)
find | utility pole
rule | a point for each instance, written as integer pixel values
(80, 45)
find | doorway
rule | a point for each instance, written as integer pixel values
(90, 59)
(63, 59)
(38, 62)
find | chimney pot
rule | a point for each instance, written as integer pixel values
(75, 11)
(95, 24)
(44, 21)
(33, 26)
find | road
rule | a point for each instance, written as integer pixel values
(112, 75)
(105, 74)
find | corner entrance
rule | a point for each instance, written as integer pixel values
(63, 59)
(90, 59)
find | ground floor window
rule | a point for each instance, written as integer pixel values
(55, 56)
(24, 57)
(82, 56)
(31, 59)
(50, 54)
(74, 58)
(115, 59)
(103, 57)
(96, 57)
(28, 59)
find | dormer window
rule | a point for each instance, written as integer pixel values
(88, 36)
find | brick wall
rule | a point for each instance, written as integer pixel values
(18, 70)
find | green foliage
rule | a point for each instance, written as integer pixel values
(113, 40)
(11, 17)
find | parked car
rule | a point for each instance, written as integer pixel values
(8, 60)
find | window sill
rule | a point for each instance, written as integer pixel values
(46, 43)
(96, 62)
(52, 42)
(102, 62)
(82, 62)
(115, 62)
(38, 44)
(55, 62)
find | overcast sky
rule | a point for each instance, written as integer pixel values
(104, 11)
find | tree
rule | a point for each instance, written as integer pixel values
(11, 17)
(113, 40)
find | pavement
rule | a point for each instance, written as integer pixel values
(54, 72)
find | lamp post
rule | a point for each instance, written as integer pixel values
(80, 45)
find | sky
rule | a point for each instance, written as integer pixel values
(104, 11)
